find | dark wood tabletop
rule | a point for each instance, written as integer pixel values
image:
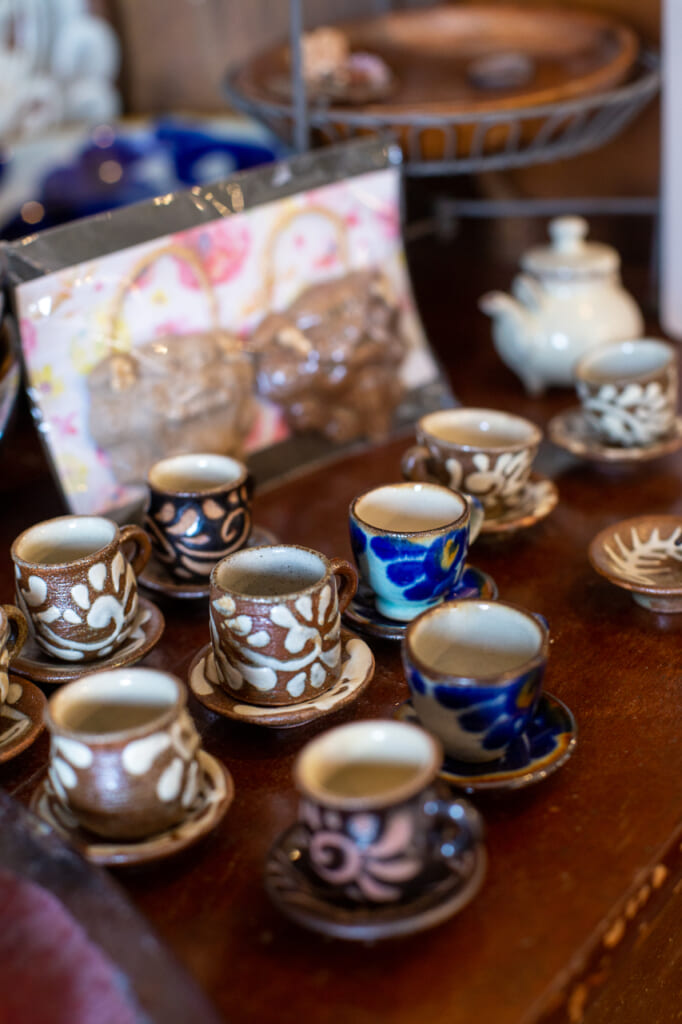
(579, 916)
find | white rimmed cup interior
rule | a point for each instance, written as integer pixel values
(480, 428)
(65, 539)
(365, 744)
(194, 473)
(624, 360)
(266, 572)
(107, 703)
(409, 508)
(475, 639)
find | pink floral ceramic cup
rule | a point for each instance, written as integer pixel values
(377, 824)
(487, 453)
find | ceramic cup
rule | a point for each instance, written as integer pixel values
(410, 542)
(75, 585)
(13, 633)
(628, 391)
(275, 622)
(378, 823)
(483, 452)
(475, 671)
(199, 511)
(123, 752)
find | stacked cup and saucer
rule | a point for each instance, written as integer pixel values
(199, 510)
(21, 703)
(475, 671)
(76, 585)
(128, 782)
(380, 849)
(278, 656)
(410, 542)
(489, 454)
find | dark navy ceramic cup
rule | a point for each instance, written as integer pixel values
(475, 671)
(199, 511)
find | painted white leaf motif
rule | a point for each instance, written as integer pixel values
(139, 755)
(454, 472)
(296, 685)
(97, 574)
(50, 614)
(73, 751)
(304, 606)
(633, 416)
(117, 569)
(105, 609)
(323, 603)
(259, 639)
(648, 558)
(37, 591)
(212, 509)
(225, 605)
(170, 781)
(243, 624)
(64, 773)
(297, 634)
(191, 785)
(317, 675)
(81, 596)
(71, 616)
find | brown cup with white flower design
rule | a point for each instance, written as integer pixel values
(275, 619)
(13, 633)
(375, 824)
(199, 511)
(628, 391)
(123, 752)
(77, 586)
(487, 453)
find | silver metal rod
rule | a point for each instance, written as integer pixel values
(301, 134)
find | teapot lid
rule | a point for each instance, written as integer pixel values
(569, 255)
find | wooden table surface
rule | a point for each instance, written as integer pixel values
(579, 916)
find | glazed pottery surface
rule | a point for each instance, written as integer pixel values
(475, 671)
(483, 452)
(275, 618)
(628, 391)
(123, 752)
(410, 543)
(13, 634)
(377, 825)
(568, 301)
(21, 717)
(643, 555)
(75, 585)
(199, 511)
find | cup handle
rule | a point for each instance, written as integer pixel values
(346, 581)
(476, 515)
(134, 534)
(462, 814)
(416, 465)
(19, 627)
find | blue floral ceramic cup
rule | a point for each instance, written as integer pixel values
(377, 824)
(410, 543)
(475, 672)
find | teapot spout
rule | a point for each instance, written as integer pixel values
(514, 328)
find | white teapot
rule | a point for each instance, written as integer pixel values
(568, 300)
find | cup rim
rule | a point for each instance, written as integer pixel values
(82, 560)
(269, 598)
(582, 373)
(424, 774)
(513, 446)
(453, 524)
(499, 678)
(99, 739)
(237, 482)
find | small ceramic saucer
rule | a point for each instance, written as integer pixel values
(21, 718)
(643, 555)
(549, 742)
(210, 807)
(539, 497)
(295, 893)
(362, 615)
(357, 669)
(155, 576)
(33, 663)
(569, 430)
